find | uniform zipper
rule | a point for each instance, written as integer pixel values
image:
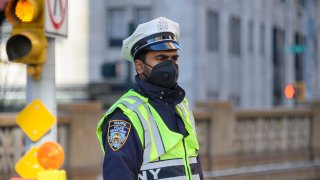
(186, 156)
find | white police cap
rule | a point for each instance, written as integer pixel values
(158, 34)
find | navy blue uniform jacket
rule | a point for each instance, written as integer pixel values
(125, 163)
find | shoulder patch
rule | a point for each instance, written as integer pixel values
(118, 132)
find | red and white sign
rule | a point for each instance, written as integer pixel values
(56, 18)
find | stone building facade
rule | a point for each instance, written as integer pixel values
(237, 50)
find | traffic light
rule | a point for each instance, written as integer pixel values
(289, 91)
(295, 91)
(27, 43)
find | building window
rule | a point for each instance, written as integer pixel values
(235, 98)
(142, 15)
(213, 94)
(251, 36)
(234, 36)
(212, 31)
(262, 39)
(117, 30)
(278, 65)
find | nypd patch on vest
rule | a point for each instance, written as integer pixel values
(118, 132)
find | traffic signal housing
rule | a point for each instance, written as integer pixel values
(296, 90)
(27, 43)
(300, 87)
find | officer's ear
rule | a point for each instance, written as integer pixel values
(139, 66)
(140, 59)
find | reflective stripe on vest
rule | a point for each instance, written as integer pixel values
(147, 138)
(168, 169)
(182, 107)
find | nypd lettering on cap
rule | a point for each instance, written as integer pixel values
(150, 29)
(118, 132)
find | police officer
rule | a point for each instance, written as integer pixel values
(149, 133)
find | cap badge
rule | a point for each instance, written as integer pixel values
(162, 24)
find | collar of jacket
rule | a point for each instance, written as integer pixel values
(171, 96)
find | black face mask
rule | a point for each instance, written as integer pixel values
(164, 74)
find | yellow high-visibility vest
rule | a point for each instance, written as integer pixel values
(167, 154)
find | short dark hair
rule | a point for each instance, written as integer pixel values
(141, 55)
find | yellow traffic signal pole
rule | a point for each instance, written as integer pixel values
(45, 90)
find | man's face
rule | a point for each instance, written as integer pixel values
(153, 58)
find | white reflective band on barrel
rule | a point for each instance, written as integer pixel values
(166, 163)
(153, 126)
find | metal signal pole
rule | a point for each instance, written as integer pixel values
(45, 90)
